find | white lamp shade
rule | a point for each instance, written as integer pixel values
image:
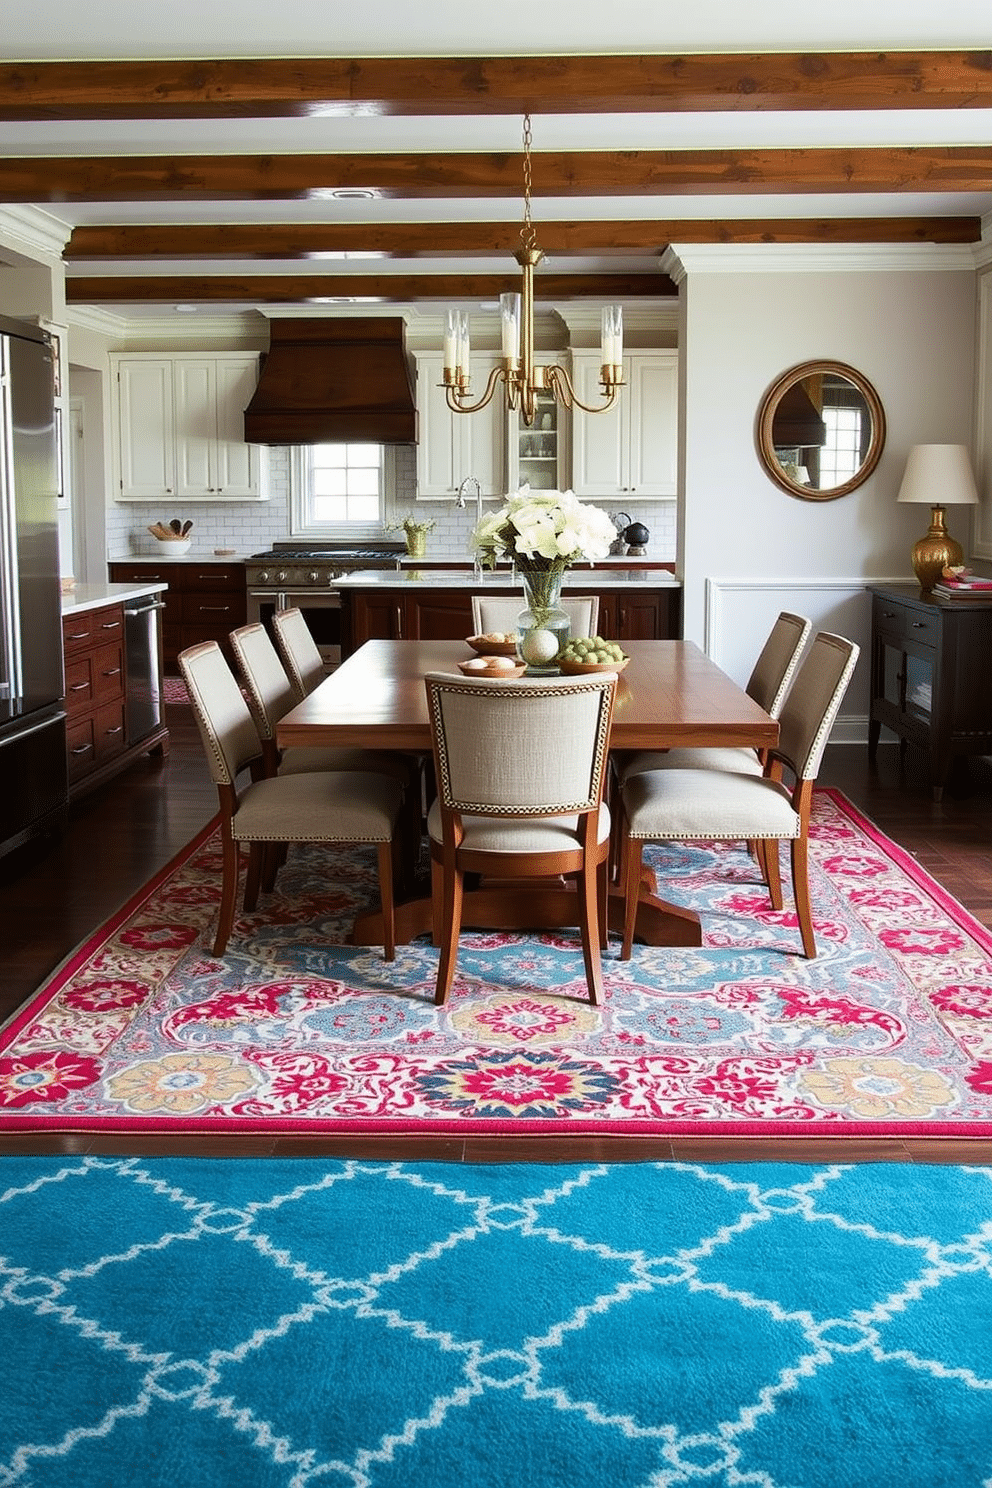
(939, 475)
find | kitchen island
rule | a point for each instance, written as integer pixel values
(435, 604)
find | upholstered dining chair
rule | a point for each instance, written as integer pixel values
(271, 694)
(767, 685)
(298, 650)
(498, 612)
(520, 768)
(677, 805)
(311, 806)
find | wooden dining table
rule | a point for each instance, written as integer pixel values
(670, 694)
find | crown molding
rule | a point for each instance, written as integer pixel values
(31, 232)
(682, 259)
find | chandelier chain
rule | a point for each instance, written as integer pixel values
(527, 234)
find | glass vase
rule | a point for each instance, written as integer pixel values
(543, 627)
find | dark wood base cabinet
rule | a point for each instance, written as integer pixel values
(95, 696)
(930, 664)
(204, 602)
(436, 614)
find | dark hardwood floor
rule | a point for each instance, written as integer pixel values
(54, 894)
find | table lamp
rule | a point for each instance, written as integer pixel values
(938, 475)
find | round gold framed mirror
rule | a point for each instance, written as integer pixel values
(821, 429)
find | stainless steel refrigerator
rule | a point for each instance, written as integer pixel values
(33, 783)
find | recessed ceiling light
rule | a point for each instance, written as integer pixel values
(186, 309)
(352, 193)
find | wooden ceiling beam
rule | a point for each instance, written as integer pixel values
(321, 288)
(306, 240)
(956, 168)
(269, 87)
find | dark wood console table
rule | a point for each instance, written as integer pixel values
(931, 661)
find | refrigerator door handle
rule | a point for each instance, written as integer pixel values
(35, 728)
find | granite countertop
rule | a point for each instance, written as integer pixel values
(586, 578)
(92, 596)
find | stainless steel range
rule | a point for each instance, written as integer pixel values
(287, 577)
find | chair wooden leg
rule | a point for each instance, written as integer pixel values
(274, 856)
(603, 894)
(633, 852)
(588, 892)
(451, 920)
(256, 858)
(800, 892)
(437, 902)
(773, 872)
(387, 852)
(228, 893)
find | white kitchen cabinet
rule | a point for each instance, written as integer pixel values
(179, 428)
(632, 448)
(453, 446)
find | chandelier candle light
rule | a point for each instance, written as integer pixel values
(521, 377)
(543, 532)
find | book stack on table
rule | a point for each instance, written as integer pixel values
(963, 586)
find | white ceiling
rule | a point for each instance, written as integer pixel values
(106, 29)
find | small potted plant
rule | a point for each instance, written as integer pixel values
(416, 530)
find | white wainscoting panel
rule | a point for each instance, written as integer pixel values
(741, 612)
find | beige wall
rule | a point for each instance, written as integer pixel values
(747, 548)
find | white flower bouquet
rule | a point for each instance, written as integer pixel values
(543, 530)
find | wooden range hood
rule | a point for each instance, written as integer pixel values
(333, 382)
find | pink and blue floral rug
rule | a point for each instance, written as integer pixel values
(887, 1032)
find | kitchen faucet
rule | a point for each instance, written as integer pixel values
(471, 480)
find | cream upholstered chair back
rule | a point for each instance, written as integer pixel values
(521, 748)
(811, 706)
(270, 691)
(776, 664)
(298, 649)
(230, 736)
(498, 612)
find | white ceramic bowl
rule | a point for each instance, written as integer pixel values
(174, 547)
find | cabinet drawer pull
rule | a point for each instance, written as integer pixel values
(888, 614)
(78, 635)
(81, 749)
(110, 625)
(118, 730)
(79, 687)
(399, 623)
(114, 672)
(216, 609)
(920, 625)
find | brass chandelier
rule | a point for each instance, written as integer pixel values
(520, 375)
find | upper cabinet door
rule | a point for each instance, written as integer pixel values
(145, 417)
(180, 428)
(653, 423)
(630, 449)
(454, 446)
(239, 466)
(599, 440)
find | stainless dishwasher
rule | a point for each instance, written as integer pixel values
(142, 656)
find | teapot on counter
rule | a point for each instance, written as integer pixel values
(636, 537)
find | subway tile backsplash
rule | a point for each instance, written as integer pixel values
(249, 527)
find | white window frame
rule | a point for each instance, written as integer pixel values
(301, 525)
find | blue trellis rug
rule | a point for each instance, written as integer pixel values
(285, 1323)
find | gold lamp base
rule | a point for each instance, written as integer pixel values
(936, 551)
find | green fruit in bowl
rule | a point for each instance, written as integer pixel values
(595, 649)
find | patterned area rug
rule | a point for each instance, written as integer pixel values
(174, 691)
(295, 1323)
(888, 1031)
